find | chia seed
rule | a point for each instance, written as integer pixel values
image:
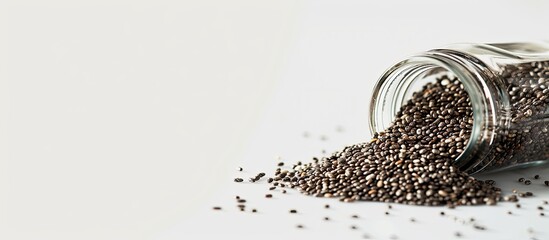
(238, 179)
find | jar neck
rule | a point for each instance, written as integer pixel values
(486, 92)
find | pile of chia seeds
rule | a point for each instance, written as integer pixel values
(411, 162)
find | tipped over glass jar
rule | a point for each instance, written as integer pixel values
(508, 86)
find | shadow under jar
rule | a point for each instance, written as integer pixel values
(508, 86)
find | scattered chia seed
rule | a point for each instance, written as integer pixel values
(521, 179)
(327, 206)
(268, 195)
(216, 208)
(239, 169)
(479, 227)
(300, 226)
(527, 182)
(511, 198)
(326, 219)
(536, 176)
(293, 211)
(238, 179)
(546, 183)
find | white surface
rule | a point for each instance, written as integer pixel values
(125, 119)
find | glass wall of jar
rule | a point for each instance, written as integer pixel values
(508, 86)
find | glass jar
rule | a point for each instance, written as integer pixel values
(508, 86)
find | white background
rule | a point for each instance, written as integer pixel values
(126, 119)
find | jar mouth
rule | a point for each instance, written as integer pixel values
(398, 83)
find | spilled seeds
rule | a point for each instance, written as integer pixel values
(411, 162)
